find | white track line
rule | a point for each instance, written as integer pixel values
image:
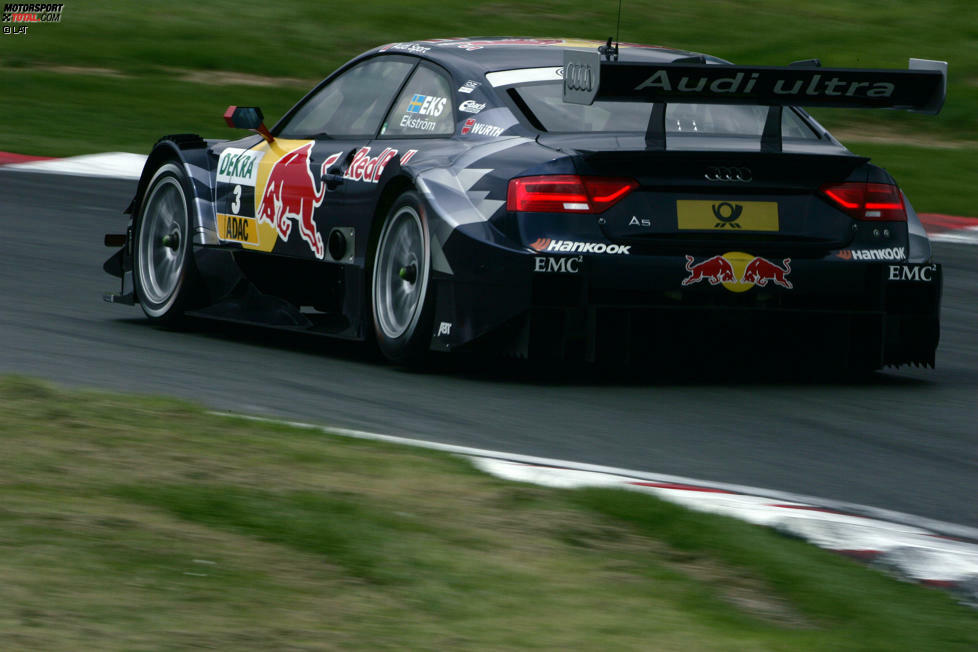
(967, 235)
(120, 165)
(915, 547)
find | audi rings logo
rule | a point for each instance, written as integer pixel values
(728, 174)
(578, 77)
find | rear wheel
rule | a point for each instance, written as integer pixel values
(400, 295)
(165, 275)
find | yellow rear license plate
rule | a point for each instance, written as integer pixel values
(728, 215)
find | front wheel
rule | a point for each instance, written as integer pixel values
(400, 294)
(165, 275)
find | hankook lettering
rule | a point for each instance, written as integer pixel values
(892, 253)
(569, 246)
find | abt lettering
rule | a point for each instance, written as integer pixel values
(923, 273)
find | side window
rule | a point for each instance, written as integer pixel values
(352, 104)
(424, 107)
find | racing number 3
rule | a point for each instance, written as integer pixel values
(236, 204)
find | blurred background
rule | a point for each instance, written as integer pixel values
(116, 75)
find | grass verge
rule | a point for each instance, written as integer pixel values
(144, 523)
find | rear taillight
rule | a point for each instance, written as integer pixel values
(566, 193)
(877, 202)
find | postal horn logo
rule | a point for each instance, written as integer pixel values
(727, 214)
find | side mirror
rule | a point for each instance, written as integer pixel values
(247, 117)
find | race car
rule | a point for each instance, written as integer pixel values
(548, 198)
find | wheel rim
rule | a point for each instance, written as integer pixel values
(401, 273)
(163, 241)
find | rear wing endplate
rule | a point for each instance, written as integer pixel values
(922, 87)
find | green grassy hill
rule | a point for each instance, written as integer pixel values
(118, 74)
(148, 524)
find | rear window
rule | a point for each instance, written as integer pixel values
(545, 101)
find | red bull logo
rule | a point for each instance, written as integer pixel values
(364, 167)
(292, 193)
(715, 270)
(738, 271)
(760, 270)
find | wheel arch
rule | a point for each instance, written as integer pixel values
(392, 190)
(190, 151)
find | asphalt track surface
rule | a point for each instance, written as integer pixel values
(904, 440)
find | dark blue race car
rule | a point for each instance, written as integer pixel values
(548, 198)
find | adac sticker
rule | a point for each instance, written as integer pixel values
(738, 271)
(237, 228)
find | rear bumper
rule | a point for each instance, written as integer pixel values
(631, 308)
(862, 340)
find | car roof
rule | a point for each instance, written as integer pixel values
(508, 52)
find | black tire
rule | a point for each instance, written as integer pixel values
(401, 296)
(164, 273)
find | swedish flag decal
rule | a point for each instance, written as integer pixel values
(414, 106)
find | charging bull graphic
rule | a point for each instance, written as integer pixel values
(292, 193)
(715, 270)
(738, 271)
(759, 271)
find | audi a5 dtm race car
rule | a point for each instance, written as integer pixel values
(547, 197)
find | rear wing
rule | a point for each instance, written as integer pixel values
(921, 88)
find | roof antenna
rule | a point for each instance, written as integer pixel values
(607, 50)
